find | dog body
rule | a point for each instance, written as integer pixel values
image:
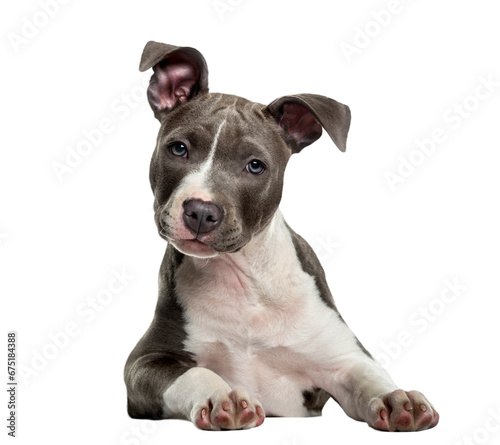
(254, 328)
(245, 324)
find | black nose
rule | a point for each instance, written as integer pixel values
(201, 216)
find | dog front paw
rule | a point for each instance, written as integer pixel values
(402, 411)
(228, 411)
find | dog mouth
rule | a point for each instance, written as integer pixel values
(194, 247)
(203, 245)
(203, 249)
(189, 246)
(191, 242)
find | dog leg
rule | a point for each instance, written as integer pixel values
(207, 400)
(366, 392)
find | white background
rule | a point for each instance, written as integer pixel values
(388, 252)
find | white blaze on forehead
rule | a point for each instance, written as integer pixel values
(194, 186)
(207, 165)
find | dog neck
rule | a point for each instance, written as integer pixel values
(267, 258)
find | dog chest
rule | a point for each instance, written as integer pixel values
(258, 324)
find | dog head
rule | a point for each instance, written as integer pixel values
(218, 167)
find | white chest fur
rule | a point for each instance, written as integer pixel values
(257, 320)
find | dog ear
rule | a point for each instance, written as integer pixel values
(301, 117)
(180, 73)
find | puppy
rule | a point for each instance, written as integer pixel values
(245, 325)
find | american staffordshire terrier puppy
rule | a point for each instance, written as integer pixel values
(245, 325)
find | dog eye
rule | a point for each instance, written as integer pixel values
(255, 167)
(178, 149)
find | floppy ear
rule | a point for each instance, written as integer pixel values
(180, 73)
(301, 117)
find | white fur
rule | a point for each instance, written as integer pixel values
(207, 165)
(190, 389)
(257, 320)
